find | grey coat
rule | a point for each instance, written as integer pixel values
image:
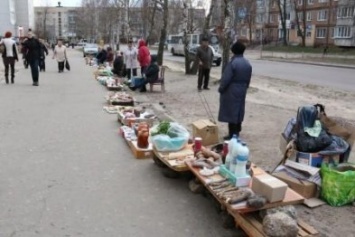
(233, 90)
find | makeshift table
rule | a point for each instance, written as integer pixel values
(241, 212)
(170, 158)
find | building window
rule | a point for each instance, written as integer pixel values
(320, 1)
(300, 16)
(310, 2)
(342, 32)
(272, 18)
(300, 2)
(274, 4)
(322, 15)
(345, 12)
(309, 16)
(260, 3)
(321, 32)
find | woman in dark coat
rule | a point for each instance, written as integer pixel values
(233, 90)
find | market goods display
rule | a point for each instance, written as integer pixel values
(111, 109)
(143, 135)
(169, 136)
(133, 115)
(114, 84)
(120, 98)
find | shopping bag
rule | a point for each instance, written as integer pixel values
(67, 65)
(338, 184)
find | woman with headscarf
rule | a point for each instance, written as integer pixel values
(9, 55)
(233, 90)
(118, 66)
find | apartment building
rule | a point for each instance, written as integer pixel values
(15, 15)
(344, 31)
(55, 22)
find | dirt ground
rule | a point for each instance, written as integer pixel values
(270, 104)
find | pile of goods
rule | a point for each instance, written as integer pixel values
(111, 109)
(114, 84)
(208, 161)
(120, 98)
(142, 132)
(129, 115)
(169, 136)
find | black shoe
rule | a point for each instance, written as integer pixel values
(199, 89)
(206, 88)
(35, 84)
(132, 88)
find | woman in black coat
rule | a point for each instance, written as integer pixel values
(233, 90)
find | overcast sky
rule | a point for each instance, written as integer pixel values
(65, 3)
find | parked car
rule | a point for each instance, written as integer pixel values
(217, 57)
(90, 49)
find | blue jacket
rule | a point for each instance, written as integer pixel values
(233, 90)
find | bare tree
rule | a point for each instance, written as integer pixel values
(301, 23)
(163, 33)
(152, 21)
(227, 31)
(282, 6)
(208, 19)
(185, 24)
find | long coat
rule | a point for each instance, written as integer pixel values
(233, 89)
(130, 58)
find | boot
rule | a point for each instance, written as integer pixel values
(7, 79)
(143, 89)
(12, 79)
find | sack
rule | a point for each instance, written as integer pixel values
(67, 65)
(338, 185)
(306, 143)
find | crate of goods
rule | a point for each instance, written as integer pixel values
(120, 98)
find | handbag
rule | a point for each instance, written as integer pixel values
(67, 65)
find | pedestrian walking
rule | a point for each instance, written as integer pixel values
(42, 60)
(130, 59)
(233, 89)
(60, 53)
(9, 55)
(143, 56)
(204, 55)
(33, 49)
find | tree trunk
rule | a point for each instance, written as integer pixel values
(163, 32)
(300, 31)
(152, 22)
(328, 22)
(228, 25)
(283, 16)
(188, 59)
(208, 18)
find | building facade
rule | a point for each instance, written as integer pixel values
(56, 22)
(344, 32)
(16, 15)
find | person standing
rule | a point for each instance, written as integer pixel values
(143, 56)
(204, 55)
(101, 56)
(60, 53)
(9, 55)
(33, 47)
(118, 68)
(233, 90)
(130, 59)
(110, 56)
(44, 52)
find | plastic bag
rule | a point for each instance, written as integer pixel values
(176, 138)
(338, 187)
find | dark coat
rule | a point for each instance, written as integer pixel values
(118, 67)
(152, 72)
(101, 57)
(44, 51)
(33, 47)
(233, 90)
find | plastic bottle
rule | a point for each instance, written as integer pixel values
(236, 146)
(229, 156)
(242, 159)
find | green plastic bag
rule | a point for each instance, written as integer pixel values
(338, 187)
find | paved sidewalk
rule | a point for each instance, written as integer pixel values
(65, 171)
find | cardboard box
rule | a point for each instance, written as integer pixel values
(302, 187)
(141, 153)
(272, 188)
(207, 130)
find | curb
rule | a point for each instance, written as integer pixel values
(309, 63)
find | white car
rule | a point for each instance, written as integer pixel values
(217, 57)
(90, 49)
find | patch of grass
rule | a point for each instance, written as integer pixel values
(319, 50)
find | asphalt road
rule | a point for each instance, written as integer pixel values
(65, 171)
(338, 78)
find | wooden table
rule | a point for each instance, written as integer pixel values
(170, 158)
(244, 216)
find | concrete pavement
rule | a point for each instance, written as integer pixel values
(66, 172)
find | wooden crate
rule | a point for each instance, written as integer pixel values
(141, 153)
(252, 225)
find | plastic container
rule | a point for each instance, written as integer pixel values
(235, 151)
(242, 160)
(229, 158)
(198, 144)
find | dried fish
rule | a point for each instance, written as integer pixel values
(242, 195)
(217, 182)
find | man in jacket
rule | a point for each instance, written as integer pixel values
(33, 47)
(204, 55)
(233, 90)
(143, 56)
(101, 56)
(9, 55)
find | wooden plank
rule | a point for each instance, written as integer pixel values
(301, 232)
(164, 157)
(257, 224)
(248, 227)
(307, 227)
